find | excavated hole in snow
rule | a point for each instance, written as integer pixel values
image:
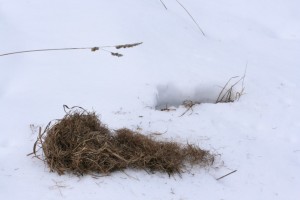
(171, 96)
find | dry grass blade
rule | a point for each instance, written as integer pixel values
(228, 95)
(192, 18)
(128, 45)
(226, 175)
(116, 54)
(188, 104)
(79, 143)
(93, 49)
(163, 4)
(221, 94)
(70, 110)
(39, 50)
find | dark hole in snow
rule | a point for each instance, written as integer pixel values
(171, 96)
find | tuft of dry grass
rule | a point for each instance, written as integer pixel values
(80, 143)
(228, 93)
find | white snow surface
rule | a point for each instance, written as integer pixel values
(258, 135)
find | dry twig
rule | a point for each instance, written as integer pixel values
(226, 175)
(192, 18)
(229, 95)
(188, 104)
(93, 49)
(164, 4)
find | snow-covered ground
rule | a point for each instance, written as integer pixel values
(258, 135)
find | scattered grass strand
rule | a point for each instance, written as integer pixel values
(192, 18)
(93, 49)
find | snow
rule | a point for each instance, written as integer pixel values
(258, 135)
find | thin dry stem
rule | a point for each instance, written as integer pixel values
(188, 104)
(192, 18)
(229, 95)
(164, 4)
(93, 49)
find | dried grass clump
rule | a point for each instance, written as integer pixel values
(79, 143)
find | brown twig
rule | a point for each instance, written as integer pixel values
(189, 105)
(93, 49)
(226, 175)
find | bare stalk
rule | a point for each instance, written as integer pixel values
(192, 18)
(226, 175)
(93, 49)
(228, 95)
(164, 4)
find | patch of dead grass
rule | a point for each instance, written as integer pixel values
(80, 143)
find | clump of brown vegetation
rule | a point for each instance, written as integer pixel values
(80, 143)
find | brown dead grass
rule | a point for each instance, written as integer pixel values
(79, 143)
